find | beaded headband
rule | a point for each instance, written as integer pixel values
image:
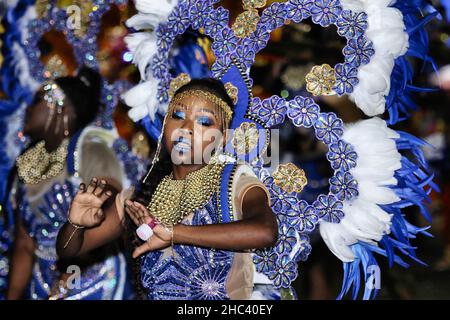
(183, 79)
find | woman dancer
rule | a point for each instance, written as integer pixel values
(192, 254)
(63, 150)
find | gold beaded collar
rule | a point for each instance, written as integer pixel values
(37, 164)
(173, 200)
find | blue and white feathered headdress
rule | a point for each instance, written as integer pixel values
(373, 179)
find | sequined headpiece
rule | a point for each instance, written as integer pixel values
(183, 79)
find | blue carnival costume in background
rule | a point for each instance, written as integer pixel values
(373, 180)
(104, 274)
(22, 74)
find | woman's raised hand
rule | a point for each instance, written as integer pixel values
(86, 209)
(161, 236)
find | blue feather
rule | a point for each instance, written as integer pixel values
(399, 103)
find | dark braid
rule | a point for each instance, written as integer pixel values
(143, 194)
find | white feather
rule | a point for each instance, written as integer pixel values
(386, 30)
(143, 21)
(24, 21)
(161, 8)
(143, 47)
(21, 68)
(142, 99)
(364, 220)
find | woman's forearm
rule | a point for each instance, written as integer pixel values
(72, 242)
(252, 233)
(69, 241)
(21, 265)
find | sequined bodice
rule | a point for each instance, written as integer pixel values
(195, 273)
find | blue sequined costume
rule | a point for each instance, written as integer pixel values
(103, 273)
(195, 273)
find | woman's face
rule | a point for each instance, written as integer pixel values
(36, 116)
(193, 130)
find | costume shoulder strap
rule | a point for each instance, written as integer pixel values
(225, 199)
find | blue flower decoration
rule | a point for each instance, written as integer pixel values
(346, 78)
(285, 272)
(358, 51)
(258, 39)
(303, 112)
(342, 156)
(163, 88)
(352, 25)
(307, 217)
(299, 10)
(165, 37)
(245, 55)
(159, 65)
(273, 16)
(220, 65)
(286, 239)
(272, 111)
(329, 128)
(225, 43)
(264, 260)
(281, 201)
(178, 20)
(198, 11)
(344, 186)
(304, 248)
(325, 12)
(255, 105)
(329, 208)
(216, 22)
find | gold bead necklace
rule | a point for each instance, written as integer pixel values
(37, 164)
(173, 200)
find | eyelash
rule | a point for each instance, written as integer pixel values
(176, 115)
(205, 121)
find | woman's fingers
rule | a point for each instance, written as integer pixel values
(143, 211)
(133, 217)
(132, 209)
(100, 188)
(105, 195)
(92, 185)
(141, 249)
(81, 188)
(133, 213)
